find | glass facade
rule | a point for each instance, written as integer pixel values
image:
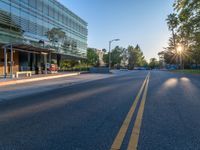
(30, 21)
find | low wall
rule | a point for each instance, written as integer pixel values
(99, 70)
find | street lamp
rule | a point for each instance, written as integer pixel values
(110, 42)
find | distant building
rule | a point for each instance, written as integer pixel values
(100, 53)
(24, 42)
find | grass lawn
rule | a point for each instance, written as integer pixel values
(189, 71)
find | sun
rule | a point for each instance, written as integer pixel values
(179, 49)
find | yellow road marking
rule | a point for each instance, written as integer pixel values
(133, 142)
(122, 132)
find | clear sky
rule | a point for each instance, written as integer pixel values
(132, 21)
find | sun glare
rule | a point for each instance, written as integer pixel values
(179, 49)
(170, 83)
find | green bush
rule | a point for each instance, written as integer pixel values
(74, 66)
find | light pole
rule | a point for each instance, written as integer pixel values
(110, 42)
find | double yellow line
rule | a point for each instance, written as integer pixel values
(133, 142)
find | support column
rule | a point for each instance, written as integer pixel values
(11, 62)
(29, 61)
(45, 63)
(58, 59)
(5, 62)
(50, 58)
(34, 62)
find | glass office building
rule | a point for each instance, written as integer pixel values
(40, 26)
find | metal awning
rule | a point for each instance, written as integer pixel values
(24, 48)
(27, 48)
(39, 50)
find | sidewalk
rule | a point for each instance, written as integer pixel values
(5, 82)
(18, 90)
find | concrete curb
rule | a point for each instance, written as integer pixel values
(12, 82)
(185, 73)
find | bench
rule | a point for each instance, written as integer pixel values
(28, 73)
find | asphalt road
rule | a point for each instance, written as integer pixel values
(89, 116)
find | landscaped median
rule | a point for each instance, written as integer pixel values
(188, 71)
(33, 79)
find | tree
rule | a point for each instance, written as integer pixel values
(144, 63)
(124, 61)
(92, 57)
(136, 57)
(68, 64)
(116, 56)
(185, 27)
(170, 54)
(131, 57)
(140, 56)
(189, 27)
(106, 58)
(172, 22)
(104, 50)
(154, 63)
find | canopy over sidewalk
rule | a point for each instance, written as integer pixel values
(22, 48)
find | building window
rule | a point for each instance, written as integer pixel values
(24, 1)
(4, 6)
(46, 9)
(56, 14)
(40, 5)
(32, 3)
(51, 11)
